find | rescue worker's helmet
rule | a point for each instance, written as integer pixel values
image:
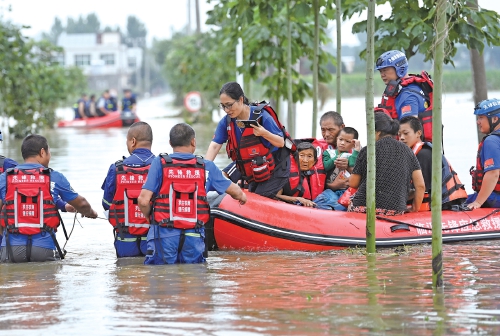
(395, 59)
(488, 107)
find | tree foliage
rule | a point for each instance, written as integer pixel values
(263, 27)
(88, 24)
(32, 85)
(196, 63)
(410, 27)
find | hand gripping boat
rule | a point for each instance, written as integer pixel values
(113, 119)
(263, 224)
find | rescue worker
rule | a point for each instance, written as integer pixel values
(80, 106)
(486, 176)
(121, 189)
(405, 95)
(105, 105)
(410, 133)
(28, 193)
(129, 102)
(6, 163)
(174, 198)
(256, 142)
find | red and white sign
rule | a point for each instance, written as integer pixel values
(192, 101)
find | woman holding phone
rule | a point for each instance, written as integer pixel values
(255, 142)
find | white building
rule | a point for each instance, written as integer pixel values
(107, 62)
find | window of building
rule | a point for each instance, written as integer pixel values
(132, 62)
(81, 60)
(109, 59)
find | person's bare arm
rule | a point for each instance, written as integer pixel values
(144, 202)
(81, 110)
(235, 192)
(342, 163)
(212, 151)
(354, 180)
(339, 183)
(419, 184)
(83, 207)
(489, 182)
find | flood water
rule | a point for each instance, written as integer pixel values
(234, 293)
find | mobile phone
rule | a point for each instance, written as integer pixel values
(247, 123)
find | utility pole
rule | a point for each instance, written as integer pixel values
(188, 29)
(198, 23)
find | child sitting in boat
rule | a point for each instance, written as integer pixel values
(348, 146)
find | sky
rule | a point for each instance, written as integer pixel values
(161, 17)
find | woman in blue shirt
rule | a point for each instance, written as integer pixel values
(258, 149)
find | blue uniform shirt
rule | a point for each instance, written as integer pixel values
(409, 102)
(59, 187)
(140, 157)
(266, 121)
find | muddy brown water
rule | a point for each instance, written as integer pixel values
(235, 293)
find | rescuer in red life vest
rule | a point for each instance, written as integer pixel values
(486, 176)
(255, 141)
(404, 94)
(122, 186)
(28, 193)
(177, 185)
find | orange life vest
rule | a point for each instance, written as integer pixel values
(124, 212)
(452, 188)
(308, 184)
(255, 161)
(424, 81)
(29, 207)
(478, 173)
(182, 200)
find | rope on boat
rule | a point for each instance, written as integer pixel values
(430, 229)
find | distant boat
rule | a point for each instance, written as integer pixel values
(113, 119)
(263, 224)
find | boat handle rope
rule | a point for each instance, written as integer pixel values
(402, 224)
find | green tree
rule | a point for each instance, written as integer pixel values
(262, 25)
(136, 32)
(32, 85)
(56, 30)
(198, 63)
(410, 27)
(88, 24)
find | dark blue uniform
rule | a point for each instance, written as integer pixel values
(126, 246)
(127, 103)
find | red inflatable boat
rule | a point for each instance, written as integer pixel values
(113, 119)
(266, 225)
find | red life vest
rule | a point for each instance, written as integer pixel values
(308, 184)
(452, 188)
(124, 212)
(29, 207)
(478, 173)
(254, 160)
(424, 81)
(182, 200)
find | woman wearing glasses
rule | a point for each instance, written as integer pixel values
(255, 142)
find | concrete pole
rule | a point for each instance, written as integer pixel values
(239, 62)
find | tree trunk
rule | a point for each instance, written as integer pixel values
(338, 95)
(315, 67)
(478, 71)
(370, 120)
(437, 157)
(291, 115)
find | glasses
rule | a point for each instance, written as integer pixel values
(227, 106)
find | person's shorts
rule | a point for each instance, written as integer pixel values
(130, 245)
(20, 254)
(163, 248)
